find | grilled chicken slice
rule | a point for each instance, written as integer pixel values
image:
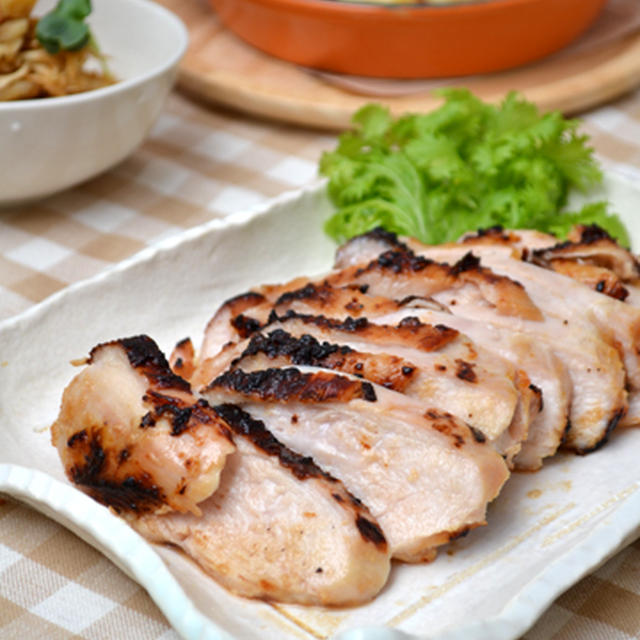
(497, 401)
(589, 255)
(591, 245)
(542, 367)
(598, 378)
(548, 425)
(392, 272)
(366, 247)
(424, 475)
(131, 434)
(570, 302)
(544, 370)
(279, 527)
(401, 274)
(227, 324)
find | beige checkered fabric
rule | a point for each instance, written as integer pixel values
(198, 164)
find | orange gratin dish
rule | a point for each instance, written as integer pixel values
(408, 40)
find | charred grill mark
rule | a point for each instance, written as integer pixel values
(404, 261)
(410, 330)
(371, 532)
(246, 299)
(182, 359)
(611, 425)
(179, 418)
(139, 495)
(235, 308)
(368, 392)
(76, 438)
(302, 467)
(465, 371)
(388, 238)
(410, 322)
(144, 355)
(148, 420)
(584, 244)
(478, 436)
(591, 233)
(495, 232)
(539, 395)
(403, 302)
(362, 288)
(426, 336)
(389, 371)
(290, 384)
(177, 411)
(245, 326)
(323, 293)
(182, 415)
(304, 350)
(242, 423)
(348, 325)
(443, 422)
(94, 460)
(468, 262)
(565, 432)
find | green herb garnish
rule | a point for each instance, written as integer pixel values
(464, 166)
(63, 28)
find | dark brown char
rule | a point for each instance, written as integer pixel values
(290, 384)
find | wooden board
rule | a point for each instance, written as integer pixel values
(220, 68)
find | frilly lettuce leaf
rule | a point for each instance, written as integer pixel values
(464, 166)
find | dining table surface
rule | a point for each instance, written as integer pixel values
(202, 162)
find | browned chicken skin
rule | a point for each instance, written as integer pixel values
(131, 434)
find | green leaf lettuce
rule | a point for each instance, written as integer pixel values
(463, 166)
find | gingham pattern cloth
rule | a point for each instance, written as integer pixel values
(201, 163)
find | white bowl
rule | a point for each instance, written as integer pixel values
(49, 144)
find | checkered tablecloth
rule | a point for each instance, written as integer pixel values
(201, 163)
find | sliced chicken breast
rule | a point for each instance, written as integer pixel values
(279, 527)
(132, 436)
(549, 425)
(570, 302)
(425, 475)
(499, 401)
(599, 399)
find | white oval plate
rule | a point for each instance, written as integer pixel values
(545, 531)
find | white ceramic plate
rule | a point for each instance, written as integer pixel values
(545, 531)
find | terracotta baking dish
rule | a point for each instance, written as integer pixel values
(409, 41)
